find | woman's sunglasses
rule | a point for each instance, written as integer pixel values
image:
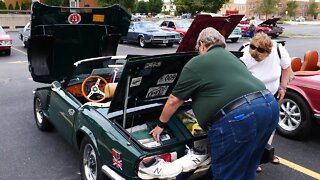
(260, 50)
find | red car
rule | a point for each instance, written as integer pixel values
(180, 26)
(5, 42)
(300, 109)
(269, 27)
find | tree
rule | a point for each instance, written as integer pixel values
(313, 10)
(291, 8)
(53, 2)
(2, 5)
(195, 6)
(142, 7)
(266, 7)
(10, 7)
(17, 7)
(155, 6)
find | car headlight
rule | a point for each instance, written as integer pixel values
(178, 36)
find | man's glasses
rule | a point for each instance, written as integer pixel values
(260, 50)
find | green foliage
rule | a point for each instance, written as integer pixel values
(155, 6)
(266, 7)
(195, 6)
(53, 2)
(2, 5)
(313, 9)
(129, 4)
(10, 7)
(17, 7)
(142, 7)
(27, 4)
(291, 8)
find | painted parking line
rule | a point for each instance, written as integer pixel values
(19, 51)
(17, 62)
(299, 168)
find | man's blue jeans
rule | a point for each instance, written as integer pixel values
(238, 139)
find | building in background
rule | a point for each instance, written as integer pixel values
(247, 8)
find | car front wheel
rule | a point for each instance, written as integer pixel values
(142, 42)
(39, 105)
(90, 161)
(296, 120)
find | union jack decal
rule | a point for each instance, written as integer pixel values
(117, 162)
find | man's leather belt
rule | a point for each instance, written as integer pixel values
(236, 103)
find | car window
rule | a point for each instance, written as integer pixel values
(171, 25)
(164, 23)
(2, 32)
(146, 25)
(183, 24)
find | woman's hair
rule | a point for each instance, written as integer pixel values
(262, 40)
(210, 37)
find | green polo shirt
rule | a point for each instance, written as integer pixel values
(212, 80)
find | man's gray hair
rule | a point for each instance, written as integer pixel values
(210, 37)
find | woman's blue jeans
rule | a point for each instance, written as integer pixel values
(238, 139)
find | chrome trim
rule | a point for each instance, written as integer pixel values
(317, 116)
(111, 173)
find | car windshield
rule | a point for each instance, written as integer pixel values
(2, 32)
(146, 25)
(183, 24)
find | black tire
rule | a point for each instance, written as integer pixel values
(90, 163)
(234, 39)
(8, 52)
(40, 104)
(296, 120)
(142, 42)
(274, 36)
(169, 44)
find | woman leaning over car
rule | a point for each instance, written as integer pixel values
(270, 62)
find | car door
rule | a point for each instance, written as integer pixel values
(132, 35)
(63, 108)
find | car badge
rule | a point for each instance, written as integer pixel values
(116, 159)
(74, 18)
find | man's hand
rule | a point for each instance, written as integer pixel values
(156, 133)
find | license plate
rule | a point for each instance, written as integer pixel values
(165, 41)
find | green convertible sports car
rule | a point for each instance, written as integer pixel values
(105, 105)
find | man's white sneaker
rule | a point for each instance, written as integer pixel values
(193, 160)
(160, 169)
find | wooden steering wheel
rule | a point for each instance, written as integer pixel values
(94, 89)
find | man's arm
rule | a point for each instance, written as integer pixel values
(171, 106)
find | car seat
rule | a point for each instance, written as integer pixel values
(296, 64)
(109, 89)
(310, 61)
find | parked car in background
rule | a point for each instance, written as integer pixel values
(235, 34)
(105, 105)
(24, 34)
(300, 19)
(186, 16)
(160, 16)
(180, 26)
(269, 27)
(147, 33)
(5, 42)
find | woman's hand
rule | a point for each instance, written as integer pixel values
(281, 93)
(156, 133)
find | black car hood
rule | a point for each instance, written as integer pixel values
(148, 79)
(61, 36)
(269, 22)
(224, 24)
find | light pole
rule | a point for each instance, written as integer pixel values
(287, 15)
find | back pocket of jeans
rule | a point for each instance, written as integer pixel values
(243, 127)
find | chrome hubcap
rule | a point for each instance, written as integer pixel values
(39, 113)
(290, 115)
(90, 162)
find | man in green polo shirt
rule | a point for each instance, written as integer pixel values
(231, 104)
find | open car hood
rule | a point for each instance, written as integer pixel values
(61, 36)
(269, 22)
(224, 24)
(148, 79)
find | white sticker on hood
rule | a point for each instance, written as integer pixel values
(152, 64)
(136, 81)
(157, 91)
(167, 78)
